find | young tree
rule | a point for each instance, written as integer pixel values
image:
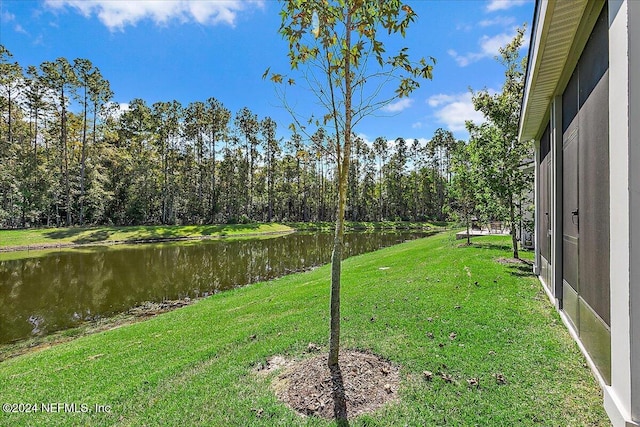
(499, 154)
(334, 40)
(463, 187)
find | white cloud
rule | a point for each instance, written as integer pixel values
(503, 21)
(6, 16)
(20, 29)
(398, 106)
(391, 143)
(489, 48)
(115, 109)
(453, 110)
(494, 5)
(118, 14)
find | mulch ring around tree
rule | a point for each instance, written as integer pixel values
(363, 383)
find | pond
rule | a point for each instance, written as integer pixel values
(46, 291)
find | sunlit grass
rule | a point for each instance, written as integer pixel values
(427, 305)
(369, 225)
(108, 234)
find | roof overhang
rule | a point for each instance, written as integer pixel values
(561, 29)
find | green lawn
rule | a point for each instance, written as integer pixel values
(106, 234)
(193, 366)
(363, 225)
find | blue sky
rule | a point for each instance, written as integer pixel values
(190, 50)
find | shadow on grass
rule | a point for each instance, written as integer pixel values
(97, 236)
(490, 245)
(64, 233)
(145, 232)
(339, 397)
(521, 270)
(440, 223)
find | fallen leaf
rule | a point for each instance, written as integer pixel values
(387, 388)
(452, 336)
(430, 335)
(500, 378)
(428, 375)
(313, 347)
(473, 382)
(447, 378)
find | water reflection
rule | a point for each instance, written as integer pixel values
(60, 289)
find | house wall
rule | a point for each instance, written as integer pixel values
(618, 396)
(634, 187)
(585, 184)
(621, 387)
(622, 397)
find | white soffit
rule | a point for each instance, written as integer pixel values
(556, 28)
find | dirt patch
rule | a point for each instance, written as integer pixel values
(152, 308)
(363, 383)
(511, 261)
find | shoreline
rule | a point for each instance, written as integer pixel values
(68, 245)
(289, 228)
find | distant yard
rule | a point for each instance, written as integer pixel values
(54, 237)
(51, 237)
(475, 337)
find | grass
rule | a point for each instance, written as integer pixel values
(364, 225)
(44, 237)
(193, 366)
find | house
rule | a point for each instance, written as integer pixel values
(581, 106)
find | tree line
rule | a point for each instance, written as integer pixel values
(70, 156)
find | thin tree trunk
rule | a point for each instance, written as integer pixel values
(468, 231)
(213, 177)
(269, 181)
(66, 160)
(10, 136)
(83, 157)
(512, 219)
(343, 177)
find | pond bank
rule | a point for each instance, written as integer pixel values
(54, 238)
(72, 237)
(93, 283)
(138, 313)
